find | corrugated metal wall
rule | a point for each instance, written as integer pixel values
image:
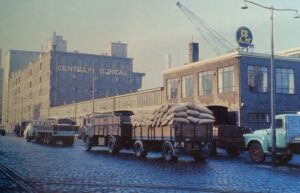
(133, 101)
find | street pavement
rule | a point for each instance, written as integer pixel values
(29, 167)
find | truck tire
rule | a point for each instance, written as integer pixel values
(28, 139)
(68, 141)
(198, 157)
(212, 148)
(88, 143)
(232, 152)
(139, 149)
(168, 152)
(112, 145)
(256, 152)
(52, 140)
(284, 159)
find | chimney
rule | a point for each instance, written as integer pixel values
(193, 52)
(168, 61)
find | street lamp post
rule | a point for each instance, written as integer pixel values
(272, 9)
(93, 92)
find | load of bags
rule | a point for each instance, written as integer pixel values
(169, 114)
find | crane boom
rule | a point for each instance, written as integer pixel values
(215, 40)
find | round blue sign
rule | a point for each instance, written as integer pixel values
(244, 37)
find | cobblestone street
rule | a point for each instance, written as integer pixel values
(30, 167)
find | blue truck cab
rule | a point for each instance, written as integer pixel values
(287, 128)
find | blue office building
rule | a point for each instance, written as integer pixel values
(240, 81)
(74, 75)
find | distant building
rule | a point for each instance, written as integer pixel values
(12, 62)
(56, 43)
(1, 87)
(117, 49)
(58, 78)
(293, 53)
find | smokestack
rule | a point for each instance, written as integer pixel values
(168, 61)
(193, 52)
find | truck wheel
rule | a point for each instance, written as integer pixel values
(232, 152)
(68, 141)
(212, 147)
(284, 159)
(168, 152)
(88, 143)
(139, 149)
(28, 139)
(52, 140)
(112, 145)
(198, 157)
(256, 153)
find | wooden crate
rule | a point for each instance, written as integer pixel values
(144, 133)
(167, 132)
(158, 133)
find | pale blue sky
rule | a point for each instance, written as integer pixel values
(151, 28)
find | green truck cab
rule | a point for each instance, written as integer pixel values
(259, 142)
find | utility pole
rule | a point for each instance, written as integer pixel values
(93, 93)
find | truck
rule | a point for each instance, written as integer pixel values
(259, 143)
(50, 131)
(112, 129)
(172, 140)
(115, 131)
(227, 134)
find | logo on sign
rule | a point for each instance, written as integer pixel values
(244, 37)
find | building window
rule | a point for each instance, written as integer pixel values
(205, 83)
(258, 117)
(40, 79)
(187, 86)
(74, 88)
(172, 88)
(74, 76)
(226, 79)
(30, 84)
(257, 78)
(285, 81)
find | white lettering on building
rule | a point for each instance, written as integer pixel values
(82, 69)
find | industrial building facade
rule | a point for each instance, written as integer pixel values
(57, 78)
(12, 61)
(238, 80)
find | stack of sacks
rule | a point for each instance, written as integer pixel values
(169, 114)
(142, 118)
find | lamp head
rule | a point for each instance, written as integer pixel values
(245, 6)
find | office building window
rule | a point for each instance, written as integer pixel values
(172, 88)
(257, 78)
(205, 83)
(258, 117)
(285, 81)
(187, 86)
(226, 79)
